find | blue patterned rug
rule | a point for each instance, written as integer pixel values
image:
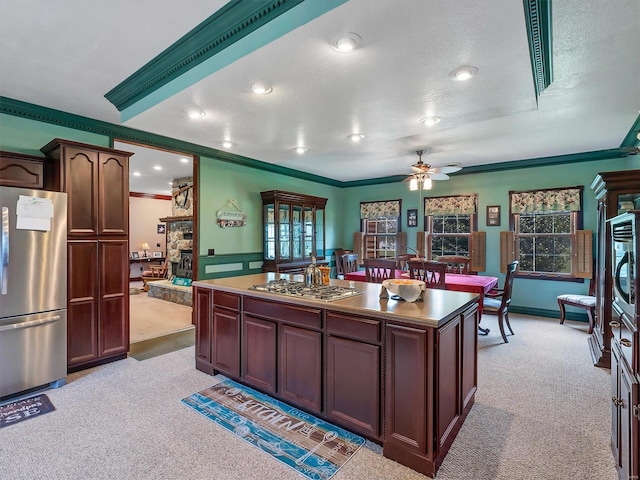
(307, 444)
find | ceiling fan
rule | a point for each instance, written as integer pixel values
(424, 173)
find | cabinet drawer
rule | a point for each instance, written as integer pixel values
(227, 300)
(625, 335)
(365, 329)
(306, 317)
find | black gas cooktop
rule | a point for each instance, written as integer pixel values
(325, 293)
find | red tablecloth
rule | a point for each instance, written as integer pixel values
(453, 281)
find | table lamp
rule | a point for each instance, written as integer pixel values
(145, 246)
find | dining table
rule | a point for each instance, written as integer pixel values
(458, 282)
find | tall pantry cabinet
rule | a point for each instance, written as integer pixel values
(96, 181)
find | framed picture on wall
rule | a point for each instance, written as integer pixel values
(493, 215)
(161, 228)
(157, 254)
(412, 217)
(135, 255)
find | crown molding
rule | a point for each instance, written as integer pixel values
(537, 15)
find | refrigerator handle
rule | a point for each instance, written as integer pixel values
(4, 251)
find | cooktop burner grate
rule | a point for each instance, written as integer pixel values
(325, 293)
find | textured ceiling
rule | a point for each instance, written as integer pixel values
(67, 55)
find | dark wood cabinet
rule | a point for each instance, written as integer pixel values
(203, 314)
(293, 231)
(300, 367)
(22, 171)
(613, 190)
(225, 341)
(259, 364)
(354, 358)
(96, 180)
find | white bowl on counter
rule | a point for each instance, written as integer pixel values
(407, 289)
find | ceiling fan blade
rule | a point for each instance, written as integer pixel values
(447, 169)
(438, 176)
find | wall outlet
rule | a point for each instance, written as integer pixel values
(211, 252)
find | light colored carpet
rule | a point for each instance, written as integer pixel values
(152, 317)
(542, 412)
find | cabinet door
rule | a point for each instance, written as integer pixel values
(203, 310)
(353, 385)
(114, 297)
(408, 383)
(469, 321)
(82, 303)
(17, 170)
(299, 367)
(628, 442)
(449, 381)
(225, 345)
(81, 185)
(259, 347)
(113, 203)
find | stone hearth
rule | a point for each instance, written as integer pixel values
(165, 290)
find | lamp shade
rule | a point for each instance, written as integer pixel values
(145, 246)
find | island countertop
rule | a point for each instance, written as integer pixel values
(436, 308)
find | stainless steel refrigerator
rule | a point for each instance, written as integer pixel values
(33, 290)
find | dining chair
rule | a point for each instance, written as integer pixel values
(379, 269)
(588, 302)
(402, 261)
(349, 263)
(497, 301)
(430, 272)
(338, 256)
(455, 263)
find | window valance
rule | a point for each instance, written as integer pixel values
(461, 204)
(542, 201)
(380, 209)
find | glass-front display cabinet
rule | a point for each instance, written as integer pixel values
(293, 230)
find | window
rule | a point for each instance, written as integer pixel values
(450, 223)
(546, 237)
(381, 229)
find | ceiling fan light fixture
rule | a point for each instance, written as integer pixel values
(428, 183)
(346, 42)
(465, 72)
(413, 184)
(430, 121)
(261, 89)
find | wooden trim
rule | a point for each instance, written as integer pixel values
(421, 243)
(506, 250)
(358, 245)
(583, 254)
(478, 252)
(150, 195)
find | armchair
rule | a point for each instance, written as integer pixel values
(155, 272)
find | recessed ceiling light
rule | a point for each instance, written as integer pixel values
(196, 114)
(301, 150)
(227, 144)
(261, 89)
(356, 137)
(157, 167)
(136, 174)
(346, 42)
(170, 183)
(462, 73)
(430, 121)
(184, 160)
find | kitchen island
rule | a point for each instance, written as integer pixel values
(401, 374)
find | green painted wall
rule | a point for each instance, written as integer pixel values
(22, 135)
(493, 189)
(221, 182)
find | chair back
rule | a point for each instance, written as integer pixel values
(455, 263)
(508, 285)
(338, 255)
(431, 273)
(402, 261)
(379, 269)
(349, 262)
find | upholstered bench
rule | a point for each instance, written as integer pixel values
(588, 302)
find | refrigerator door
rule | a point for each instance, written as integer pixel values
(33, 351)
(33, 263)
